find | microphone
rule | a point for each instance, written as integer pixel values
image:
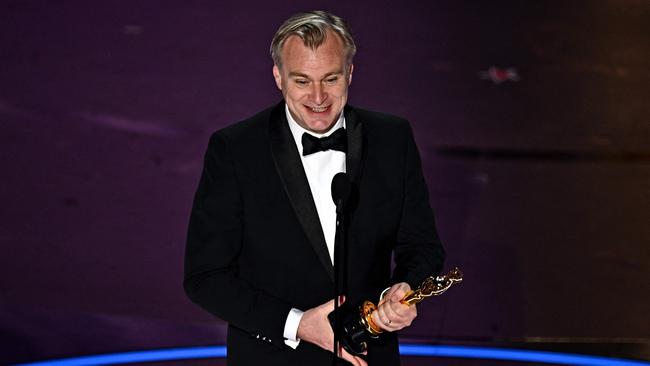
(341, 188)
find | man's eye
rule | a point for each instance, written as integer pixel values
(331, 80)
(302, 82)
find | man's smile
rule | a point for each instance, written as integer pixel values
(318, 110)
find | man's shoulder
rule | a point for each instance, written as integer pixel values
(381, 121)
(249, 127)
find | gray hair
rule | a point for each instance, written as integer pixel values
(312, 28)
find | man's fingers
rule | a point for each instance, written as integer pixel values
(393, 316)
(380, 318)
(357, 361)
(389, 310)
(399, 310)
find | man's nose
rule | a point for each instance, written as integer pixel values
(318, 93)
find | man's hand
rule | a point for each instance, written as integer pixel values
(391, 315)
(314, 327)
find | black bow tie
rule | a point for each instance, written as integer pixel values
(336, 141)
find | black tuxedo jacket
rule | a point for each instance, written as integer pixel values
(255, 247)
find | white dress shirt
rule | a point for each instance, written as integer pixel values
(320, 168)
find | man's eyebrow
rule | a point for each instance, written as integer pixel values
(339, 72)
(299, 74)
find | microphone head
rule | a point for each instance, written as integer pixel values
(341, 188)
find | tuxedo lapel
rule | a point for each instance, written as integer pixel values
(289, 166)
(354, 156)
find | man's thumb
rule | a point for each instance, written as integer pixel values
(396, 296)
(330, 304)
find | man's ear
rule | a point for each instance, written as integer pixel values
(277, 77)
(350, 74)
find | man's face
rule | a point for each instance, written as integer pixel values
(314, 83)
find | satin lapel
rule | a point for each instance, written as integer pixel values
(354, 156)
(289, 166)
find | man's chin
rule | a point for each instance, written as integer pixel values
(318, 118)
(320, 126)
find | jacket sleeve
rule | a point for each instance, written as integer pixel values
(214, 242)
(418, 251)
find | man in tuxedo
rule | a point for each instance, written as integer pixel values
(260, 242)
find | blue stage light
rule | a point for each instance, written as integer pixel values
(503, 354)
(168, 354)
(508, 354)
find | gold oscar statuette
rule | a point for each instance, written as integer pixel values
(358, 329)
(432, 286)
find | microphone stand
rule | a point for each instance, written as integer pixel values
(340, 273)
(341, 187)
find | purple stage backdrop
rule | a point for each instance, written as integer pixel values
(532, 119)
